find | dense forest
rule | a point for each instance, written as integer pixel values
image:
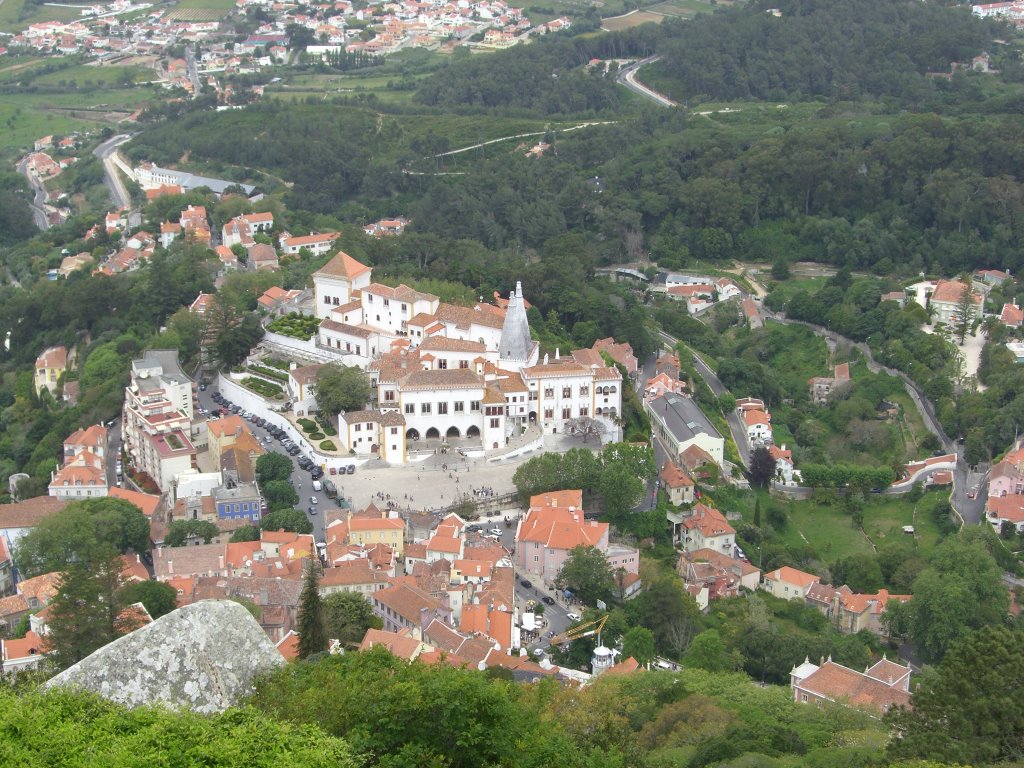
(799, 49)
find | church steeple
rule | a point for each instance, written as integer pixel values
(515, 344)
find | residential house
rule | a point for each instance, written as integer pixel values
(352, 576)
(822, 387)
(785, 471)
(50, 366)
(946, 299)
(704, 527)
(789, 583)
(404, 607)
(759, 427)
(851, 612)
(378, 529)
(1005, 509)
(877, 688)
(991, 276)
(263, 257)
(1012, 316)
(19, 655)
(553, 526)
(677, 483)
(275, 300)
(680, 424)
(336, 282)
(721, 572)
(316, 244)
(241, 229)
(302, 388)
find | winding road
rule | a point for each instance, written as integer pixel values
(627, 77)
(118, 192)
(38, 204)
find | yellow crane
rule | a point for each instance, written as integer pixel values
(583, 630)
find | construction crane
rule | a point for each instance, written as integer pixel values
(581, 631)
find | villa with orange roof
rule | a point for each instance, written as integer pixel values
(366, 531)
(677, 484)
(877, 688)
(789, 583)
(759, 427)
(946, 298)
(83, 474)
(705, 527)
(50, 366)
(317, 244)
(553, 526)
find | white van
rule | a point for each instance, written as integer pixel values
(317, 485)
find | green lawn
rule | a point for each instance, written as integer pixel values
(25, 117)
(110, 75)
(830, 531)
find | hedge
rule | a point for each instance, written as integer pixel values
(317, 436)
(259, 386)
(327, 445)
(270, 373)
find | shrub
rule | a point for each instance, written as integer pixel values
(317, 436)
(261, 387)
(327, 445)
(307, 425)
(270, 373)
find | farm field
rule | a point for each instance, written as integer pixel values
(25, 117)
(98, 75)
(618, 23)
(13, 17)
(201, 10)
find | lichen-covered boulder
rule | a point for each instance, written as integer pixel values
(203, 657)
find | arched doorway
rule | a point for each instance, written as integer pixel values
(374, 448)
(433, 434)
(533, 417)
(412, 434)
(473, 431)
(453, 432)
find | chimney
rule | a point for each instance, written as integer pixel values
(545, 358)
(221, 559)
(558, 355)
(170, 566)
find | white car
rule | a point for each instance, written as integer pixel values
(495, 531)
(573, 617)
(314, 500)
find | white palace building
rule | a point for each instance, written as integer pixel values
(442, 371)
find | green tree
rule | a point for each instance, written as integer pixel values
(708, 651)
(961, 590)
(245, 533)
(80, 531)
(279, 495)
(85, 614)
(180, 531)
(968, 710)
(620, 490)
(90, 730)
(341, 388)
(861, 573)
(762, 467)
(293, 520)
(757, 512)
(670, 612)
(311, 630)
(158, 597)
(780, 269)
(638, 642)
(587, 574)
(273, 466)
(347, 616)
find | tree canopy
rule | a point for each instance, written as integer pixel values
(81, 531)
(341, 388)
(587, 574)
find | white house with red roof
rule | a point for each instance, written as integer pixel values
(317, 244)
(705, 527)
(1012, 316)
(789, 583)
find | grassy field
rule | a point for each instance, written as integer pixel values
(830, 531)
(200, 10)
(26, 117)
(111, 75)
(14, 19)
(618, 23)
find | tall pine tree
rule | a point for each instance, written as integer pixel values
(312, 632)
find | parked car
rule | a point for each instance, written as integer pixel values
(316, 473)
(351, 470)
(314, 500)
(526, 583)
(495, 531)
(311, 510)
(548, 600)
(573, 617)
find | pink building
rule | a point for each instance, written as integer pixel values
(553, 527)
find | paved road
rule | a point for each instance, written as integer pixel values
(193, 73)
(105, 152)
(965, 479)
(38, 204)
(627, 77)
(300, 478)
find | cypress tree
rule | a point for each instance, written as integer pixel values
(312, 633)
(757, 513)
